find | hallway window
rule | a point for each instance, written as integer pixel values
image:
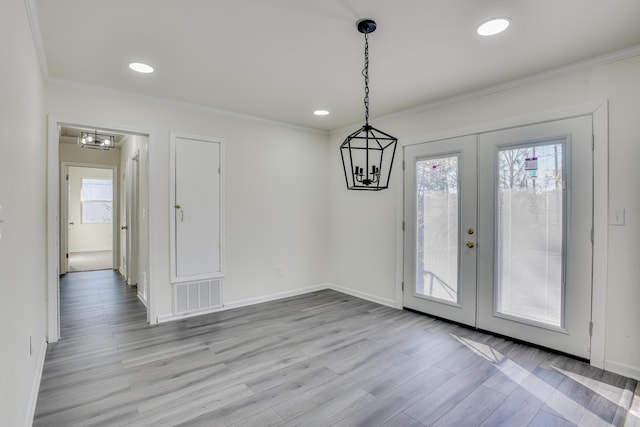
(97, 200)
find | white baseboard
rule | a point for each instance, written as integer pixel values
(363, 295)
(35, 387)
(280, 295)
(273, 297)
(142, 300)
(96, 249)
(622, 369)
(173, 317)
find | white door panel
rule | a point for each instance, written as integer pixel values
(197, 208)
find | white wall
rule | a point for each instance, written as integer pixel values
(86, 237)
(276, 190)
(363, 221)
(23, 200)
(71, 153)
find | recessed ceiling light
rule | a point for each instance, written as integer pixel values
(321, 112)
(493, 26)
(141, 68)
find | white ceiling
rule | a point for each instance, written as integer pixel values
(283, 59)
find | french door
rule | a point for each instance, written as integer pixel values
(498, 232)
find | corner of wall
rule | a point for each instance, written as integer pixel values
(35, 386)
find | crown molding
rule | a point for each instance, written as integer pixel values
(71, 84)
(34, 24)
(586, 64)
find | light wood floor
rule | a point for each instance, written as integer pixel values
(319, 359)
(87, 261)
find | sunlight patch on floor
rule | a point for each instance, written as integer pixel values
(553, 398)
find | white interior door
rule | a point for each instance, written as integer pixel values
(196, 209)
(528, 274)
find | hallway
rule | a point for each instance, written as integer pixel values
(84, 366)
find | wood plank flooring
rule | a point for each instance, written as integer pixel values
(320, 359)
(88, 261)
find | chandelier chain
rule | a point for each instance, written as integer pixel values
(365, 74)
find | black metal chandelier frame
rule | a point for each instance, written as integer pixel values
(367, 146)
(96, 140)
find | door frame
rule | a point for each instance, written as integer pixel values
(64, 211)
(53, 214)
(132, 214)
(599, 111)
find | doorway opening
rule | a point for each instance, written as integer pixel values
(88, 199)
(98, 210)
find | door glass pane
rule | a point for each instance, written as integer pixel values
(437, 228)
(530, 235)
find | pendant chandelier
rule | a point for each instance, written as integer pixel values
(96, 141)
(367, 154)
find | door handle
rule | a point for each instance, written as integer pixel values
(470, 244)
(124, 227)
(71, 223)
